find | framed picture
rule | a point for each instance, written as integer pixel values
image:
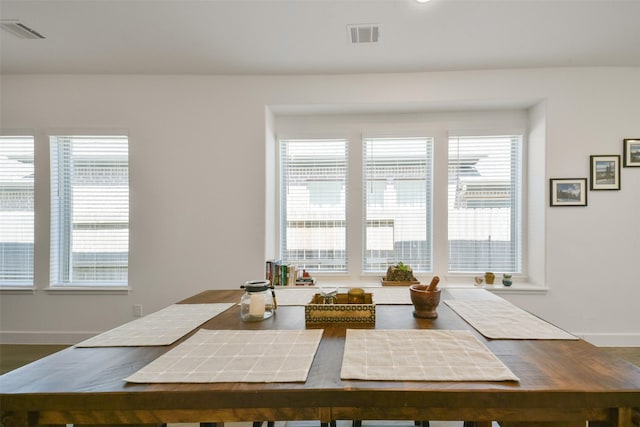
(632, 153)
(568, 191)
(605, 172)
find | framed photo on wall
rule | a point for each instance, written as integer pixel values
(568, 191)
(605, 172)
(632, 153)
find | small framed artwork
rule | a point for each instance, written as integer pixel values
(632, 153)
(568, 191)
(605, 172)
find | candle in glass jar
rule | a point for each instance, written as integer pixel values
(355, 296)
(256, 306)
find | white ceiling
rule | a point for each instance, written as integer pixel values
(310, 36)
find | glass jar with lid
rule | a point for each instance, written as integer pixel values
(257, 302)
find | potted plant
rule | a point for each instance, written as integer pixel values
(506, 279)
(400, 273)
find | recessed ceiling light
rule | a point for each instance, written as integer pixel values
(423, 1)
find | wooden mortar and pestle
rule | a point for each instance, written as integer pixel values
(425, 299)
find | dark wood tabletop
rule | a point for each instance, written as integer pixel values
(562, 382)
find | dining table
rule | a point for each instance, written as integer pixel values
(539, 381)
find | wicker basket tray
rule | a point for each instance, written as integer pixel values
(341, 312)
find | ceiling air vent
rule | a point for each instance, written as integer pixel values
(363, 33)
(19, 30)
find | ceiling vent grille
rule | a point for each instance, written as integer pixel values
(20, 30)
(363, 33)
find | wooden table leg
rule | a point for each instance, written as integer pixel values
(620, 417)
(624, 417)
(21, 419)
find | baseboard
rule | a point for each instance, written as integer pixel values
(611, 339)
(44, 337)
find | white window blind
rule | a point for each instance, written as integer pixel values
(484, 202)
(398, 194)
(313, 180)
(89, 210)
(16, 210)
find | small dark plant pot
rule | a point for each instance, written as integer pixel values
(507, 282)
(424, 302)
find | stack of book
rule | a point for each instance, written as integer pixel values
(280, 274)
(305, 281)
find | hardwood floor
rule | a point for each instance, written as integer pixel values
(13, 356)
(630, 354)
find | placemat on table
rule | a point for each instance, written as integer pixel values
(470, 294)
(420, 355)
(164, 327)
(500, 319)
(295, 295)
(390, 295)
(235, 356)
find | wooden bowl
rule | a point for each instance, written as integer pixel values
(424, 302)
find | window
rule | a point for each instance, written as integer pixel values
(16, 210)
(441, 192)
(89, 210)
(484, 206)
(397, 177)
(313, 179)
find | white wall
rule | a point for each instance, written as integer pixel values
(197, 170)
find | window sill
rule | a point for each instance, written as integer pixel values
(499, 288)
(516, 288)
(17, 290)
(88, 290)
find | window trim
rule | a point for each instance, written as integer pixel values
(85, 290)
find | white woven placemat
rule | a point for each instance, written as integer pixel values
(235, 356)
(295, 296)
(164, 327)
(500, 319)
(471, 294)
(391, 295)
(420, 355)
